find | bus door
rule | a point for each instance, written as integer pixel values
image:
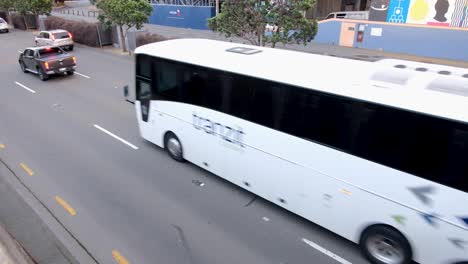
(144, 95)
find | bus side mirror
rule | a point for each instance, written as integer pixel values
(125, 91)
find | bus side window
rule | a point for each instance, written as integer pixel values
(456, 167)
(167, 82)
(262, 103)
(300, 116)
(212, 90)
(386, 136)
(239, 91)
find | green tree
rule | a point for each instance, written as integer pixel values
(6, 4)
(261, 22)
(36, 7)
(124, 13)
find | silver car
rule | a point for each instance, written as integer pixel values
(3, 25)
(55, 38)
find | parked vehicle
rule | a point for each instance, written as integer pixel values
(359, 15)
(45, 61)
(56, 38)
(3, 26)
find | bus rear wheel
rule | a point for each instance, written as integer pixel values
(385, 245)
(173, 146)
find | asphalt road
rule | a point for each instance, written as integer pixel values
(132, 202)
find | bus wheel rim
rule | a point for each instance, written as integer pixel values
(385, 249)
(174, 147)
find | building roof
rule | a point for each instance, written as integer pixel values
(428, 88)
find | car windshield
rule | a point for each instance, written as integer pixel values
(2, 20)
(61, 35)
(49, 52)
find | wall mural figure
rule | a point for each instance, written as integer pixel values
(419, 10)
(378, 10)
(398, 11)
(453, 13)
(460, 14)
(441, 8)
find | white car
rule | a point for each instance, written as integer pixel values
(55, 38)
(3, 25)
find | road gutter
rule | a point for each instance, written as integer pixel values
(11, 251)
(68, 246)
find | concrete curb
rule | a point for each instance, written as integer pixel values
(11, 251)
(71, 250)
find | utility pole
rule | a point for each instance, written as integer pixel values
(217, 7)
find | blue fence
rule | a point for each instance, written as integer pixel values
(423, 41)
(195, 17)
(329, 32)
(435, 42)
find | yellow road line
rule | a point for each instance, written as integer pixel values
(65, 205)
(27, 169)
(2, 146)
(119, 258)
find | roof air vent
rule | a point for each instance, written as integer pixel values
(420, 69)
(243, 50)
(456, 87)
(465, 75)
(444, 72)
(395, 77)
(400, 66)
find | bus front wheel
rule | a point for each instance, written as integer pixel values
(173, 146)
(383, 244)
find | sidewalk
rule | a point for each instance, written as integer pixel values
(312, 47)
(25, 226)
(25, 221)
(11, 251)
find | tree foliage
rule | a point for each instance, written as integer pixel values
(6, 4)
(261, 22)
(37, 7)
(128, 13)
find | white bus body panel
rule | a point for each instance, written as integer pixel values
(340, 192)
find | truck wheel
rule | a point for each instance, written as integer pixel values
(70, 48)
(70, 72)
(42, 75)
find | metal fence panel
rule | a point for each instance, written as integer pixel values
(104, 34)
(31, 21)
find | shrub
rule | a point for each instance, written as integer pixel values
(147, 38)
(4, 15)
(18, 21)
(83, 32)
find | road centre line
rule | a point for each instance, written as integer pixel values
(65, 205)
(119, 258)
(82, 75)
(23, 86)
(326, 252)
(27, 169)
(116, 137)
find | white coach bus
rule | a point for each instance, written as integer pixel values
(376, 152)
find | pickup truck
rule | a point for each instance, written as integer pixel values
(45, 61)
